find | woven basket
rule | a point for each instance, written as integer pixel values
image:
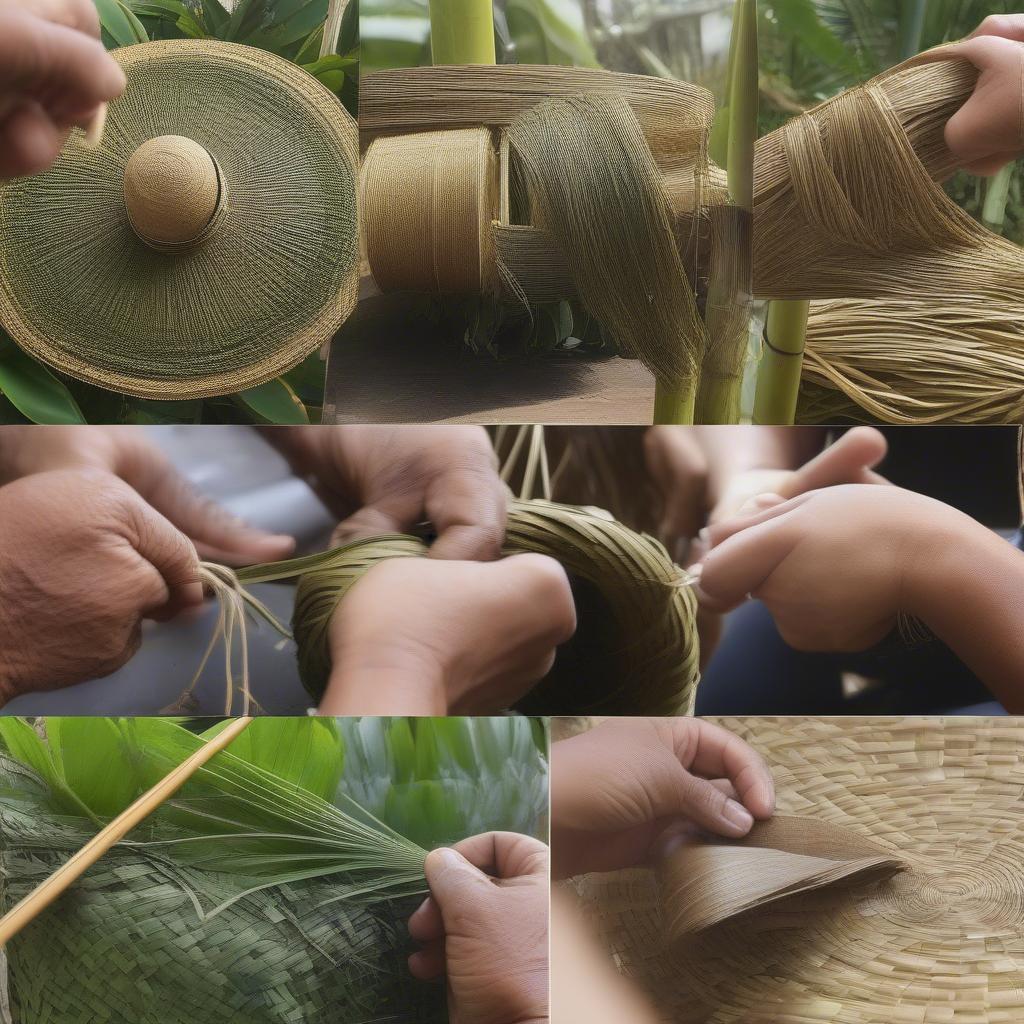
(941, 941)
(209, 261)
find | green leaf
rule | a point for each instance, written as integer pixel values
(274, 402)
(303, 751)
(34, 391)
(119, 23)
(310, 49)
(92, 759)
(174, 11)
(307, 380)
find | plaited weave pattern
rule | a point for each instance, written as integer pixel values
(942, 940)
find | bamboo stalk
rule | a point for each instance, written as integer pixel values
(997, 194)
(674, 405)
(332, 27)
(47, 891)
(720, 392)
(462, 32)
(778, 377)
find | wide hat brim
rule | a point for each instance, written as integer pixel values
(82, 292)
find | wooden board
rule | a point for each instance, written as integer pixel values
(380, 371)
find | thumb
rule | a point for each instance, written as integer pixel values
(705, 802)
(457, 887)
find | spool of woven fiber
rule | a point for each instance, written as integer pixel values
(636, 650)
(942, 940)
(428, 201)
(607, 175)
(208, 244)
(847, 204)
(913, 362)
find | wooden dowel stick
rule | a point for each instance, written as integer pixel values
(46, 892)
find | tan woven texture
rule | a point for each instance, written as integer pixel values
(940, 942)
(848, 208)
(254, 155)
(593, 187)
(637, 646)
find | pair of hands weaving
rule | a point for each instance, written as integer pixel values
(836, 555)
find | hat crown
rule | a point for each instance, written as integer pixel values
(173, 191)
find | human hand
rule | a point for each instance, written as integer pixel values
(129, 454)
(382, 479)
(623, 787)
(429, 637)
(987, 132)
(54, 75)
(835, 567)
(484, 928)
(82, 561)
(850, 460)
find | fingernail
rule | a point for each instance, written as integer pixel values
(738, 816)
(704, 535)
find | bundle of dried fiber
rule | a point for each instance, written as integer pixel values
(914, 361)
(847, 204)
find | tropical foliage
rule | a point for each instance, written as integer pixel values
(274, 887)
(29, 391)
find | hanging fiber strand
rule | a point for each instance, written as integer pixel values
(848, 208)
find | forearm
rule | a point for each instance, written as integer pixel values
(969, 590)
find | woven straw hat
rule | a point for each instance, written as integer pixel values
(940, 941)
(208, 245)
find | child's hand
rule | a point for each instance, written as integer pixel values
(987, 132)
(54, 75)
(835, 567)
(617, 790)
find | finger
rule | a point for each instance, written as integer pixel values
(704, 804)
(173, 555)
(1009, 26)
(858, 450)
(425, 923)
(460, 889)
(758, 504)
(469, 510)
(990, 165)
(427, 964)
(369, 521)
(80, 15)
(740, 565)
(218, 535)
(29, 141)
(65, 64)
(724, 758)
(989, 123)
(719, 532)
(505, 854)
